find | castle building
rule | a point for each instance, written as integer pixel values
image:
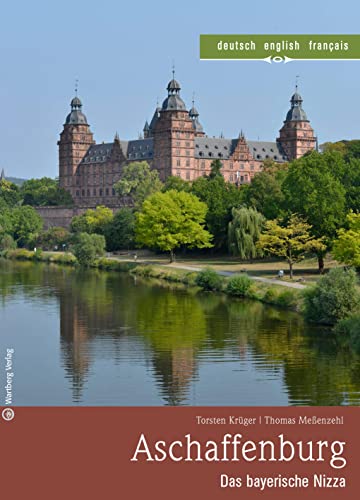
(175, 144)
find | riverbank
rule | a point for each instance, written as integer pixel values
(260, 289)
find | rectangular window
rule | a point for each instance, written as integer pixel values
(188, 176)
(77, 192)
(188, 163)
(94, 192)
(202, 164)
(187, 144)
(113, 192)
(100, 192)
(187, 152)
(107, 191)
(178, 163)
(231, 165)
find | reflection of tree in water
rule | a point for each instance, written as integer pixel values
(177, 329)
(315, 370)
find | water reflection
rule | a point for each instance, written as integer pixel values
(125, 342)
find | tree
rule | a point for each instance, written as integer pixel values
(139, 182)
(291, 242)
(346, 247)
(177, 183)
(244, 232)
(26, 225)
(45, 191)
(9, 193)
(88, 248)
(313, 191)
(120, 232)
(220, 197)
(335, 297)
(93, 221)
(170, 220)
(54, 237)
(216, 167)
(264, 192)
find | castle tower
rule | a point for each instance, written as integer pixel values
(296, 135)
(194, 115)
(174, 137)
(75, 140)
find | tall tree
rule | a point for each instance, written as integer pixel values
(220, 197)
(291, 241)
(244, 232)
(45, 191)
(120, 233)
(313, 191)
(170, 220)
(138, 181)
(265, 193)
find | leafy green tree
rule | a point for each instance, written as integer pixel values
(220, 197)
(26, 225)
(88, 248)
(291, 242)
(244, 232)
(45, 192)
(93, 221)
(216, 167)
(335, 297)
(346, 247)
(264, 193)
(313, 191)
(177, 183)
(6, 223)
(139, 182)
(170, 220)
(9, 193)
(120, 232)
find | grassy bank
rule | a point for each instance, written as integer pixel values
(268, 294)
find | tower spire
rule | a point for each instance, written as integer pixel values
(76, 87)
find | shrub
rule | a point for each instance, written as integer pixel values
(239, 285)
(287, 298)
(335, 297)
(66, 258)
(88, 247)
(270, 296)
(20, 254)
(208, 279)
(189, 278)
(350, 328)
(7, 242)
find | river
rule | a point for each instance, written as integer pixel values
(97, 338)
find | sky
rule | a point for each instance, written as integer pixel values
(122, 54)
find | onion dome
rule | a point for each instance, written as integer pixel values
(193, 113)
(173, 102)
(76, 116)
(296, 113)
(173, 86)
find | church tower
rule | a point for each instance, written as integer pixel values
(75, 140)
(296, 135)
(174, 133)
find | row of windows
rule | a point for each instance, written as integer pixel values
(108, 192)
(178, 163)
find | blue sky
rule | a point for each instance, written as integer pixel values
(122, 53)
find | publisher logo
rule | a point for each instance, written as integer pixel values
(8, 414)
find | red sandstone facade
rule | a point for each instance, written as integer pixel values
(174, 144)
